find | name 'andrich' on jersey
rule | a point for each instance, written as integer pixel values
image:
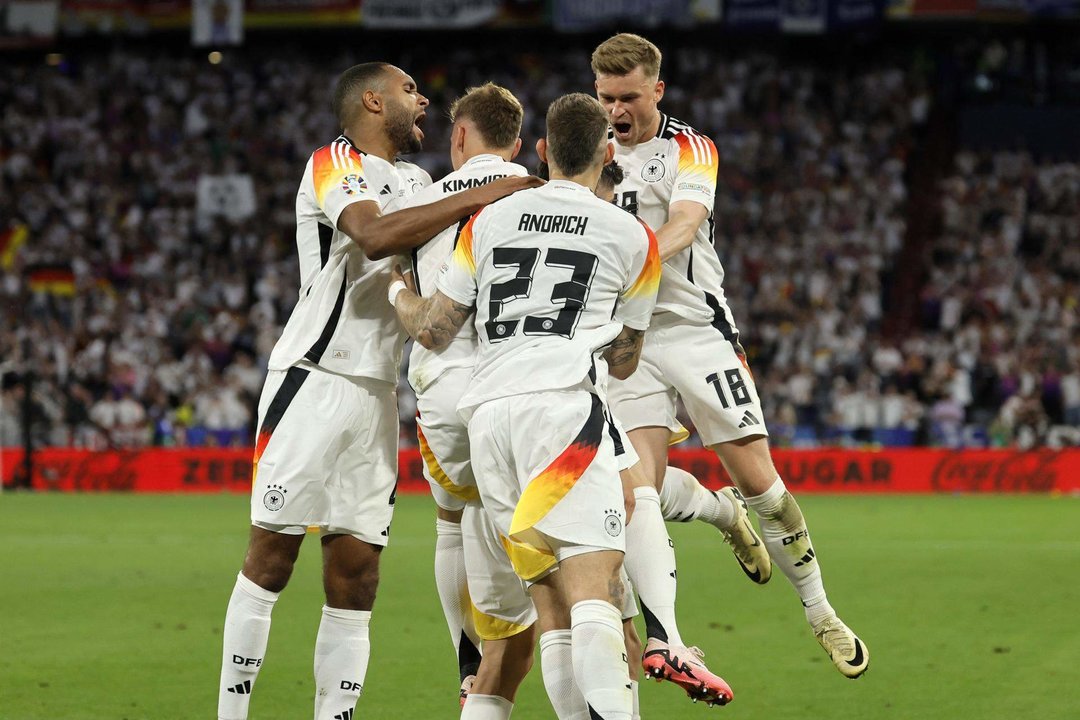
(570, 224)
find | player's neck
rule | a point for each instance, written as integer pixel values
(372, 143)
(650, 130)
(587, 179)
(504, 155)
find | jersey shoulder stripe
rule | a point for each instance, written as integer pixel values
(332, 163)
(695, 149)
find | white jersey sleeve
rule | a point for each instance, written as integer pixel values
(638, 298)
(457, 280)
(338, 179)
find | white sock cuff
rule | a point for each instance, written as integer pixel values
(359, 619)
(554, 637)
(596, 611)
(445, 528)
(493, 701)
(647, 494)
(256, 592)
(768, 501)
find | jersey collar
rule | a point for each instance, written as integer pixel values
(568, 184)
(482, 159)
(663, 125)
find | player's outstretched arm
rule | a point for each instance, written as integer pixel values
(381, 236)
(623, 353)
(433, 322)
(677, 234)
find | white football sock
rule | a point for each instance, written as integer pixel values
(486, 707)
(599, 659)
(557, 668)
(637, 701)
(650, 562)
(247, 629)
(453, 587)
(783, 529)
(683, 498)
(342, 650)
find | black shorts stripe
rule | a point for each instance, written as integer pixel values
(616, 437)
(326, 237)
(290, 386)
(316, 352)
(720, 322)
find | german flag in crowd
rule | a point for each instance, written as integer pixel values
(54, 279)
(11, 240)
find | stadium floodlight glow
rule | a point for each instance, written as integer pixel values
(54, 59)
(214, 57)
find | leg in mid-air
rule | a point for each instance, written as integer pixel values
(683, 499)
(784, 532)
(651, 565)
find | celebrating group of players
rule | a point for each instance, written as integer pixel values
(555, 332)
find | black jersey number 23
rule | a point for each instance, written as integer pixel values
(571, 294)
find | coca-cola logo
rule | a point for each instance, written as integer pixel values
(1004, 472)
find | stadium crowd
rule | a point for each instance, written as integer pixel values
(145, 311)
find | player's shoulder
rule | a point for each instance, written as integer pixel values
(339, 154)
(685, 136)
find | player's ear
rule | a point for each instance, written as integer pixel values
(609, 153)
(372, 101)
(541, 149)
(457, 136)
(517, 149)
(658, 91)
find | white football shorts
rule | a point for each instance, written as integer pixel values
(326, 454)
(443, 439)
(546, 470)
(698, 364)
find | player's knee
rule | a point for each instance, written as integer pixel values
(352, 587)
(270, 573)
(616, 588)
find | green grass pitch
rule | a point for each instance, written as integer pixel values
(111, 607)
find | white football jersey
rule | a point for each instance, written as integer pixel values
(425, 366)
(679, 164)
(555, 273)
(342, 321)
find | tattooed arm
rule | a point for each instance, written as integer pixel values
(433, 322)
(623, 353)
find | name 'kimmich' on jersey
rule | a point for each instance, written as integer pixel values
(341, 321)
(425, 366)
(555, 273)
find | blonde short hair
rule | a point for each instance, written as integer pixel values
(620, 54)
(494, 110)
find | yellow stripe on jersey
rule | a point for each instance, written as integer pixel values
(463, 251)
(461, 492)
(698, 161)
(648, 281)
(335, 165)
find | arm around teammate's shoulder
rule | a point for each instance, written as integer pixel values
(381, 236)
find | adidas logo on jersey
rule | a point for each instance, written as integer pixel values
(385, 190)
(748, 419)
(243, 688)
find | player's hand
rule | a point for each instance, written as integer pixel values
(498, 189)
